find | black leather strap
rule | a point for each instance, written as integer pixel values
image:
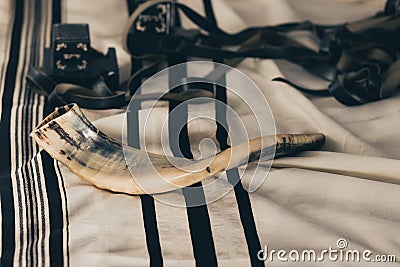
(356, 87)
(337, 89)
(100, 96)
(316, 92)
(65, 93)
(38, 79)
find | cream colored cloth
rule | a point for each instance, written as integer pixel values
(350, 190)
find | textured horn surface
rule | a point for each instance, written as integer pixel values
(69, 137)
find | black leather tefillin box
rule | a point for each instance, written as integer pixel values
(70, 45)
(71, 59)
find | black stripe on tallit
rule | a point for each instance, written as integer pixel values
(40, 201)
(242, 196)
(151, 228)
(198, 217)
(147, 202)
(52, 187)
(136, 64)
(57, 11)
(55, 206)
(27, 172)
(66, 214)
(7, 198)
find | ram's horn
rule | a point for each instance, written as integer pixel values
(68, 136)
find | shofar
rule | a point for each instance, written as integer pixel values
(69, 137)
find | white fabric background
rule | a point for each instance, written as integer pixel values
(351, 190)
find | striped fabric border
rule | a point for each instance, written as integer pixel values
(7, 195)
(34, 208)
